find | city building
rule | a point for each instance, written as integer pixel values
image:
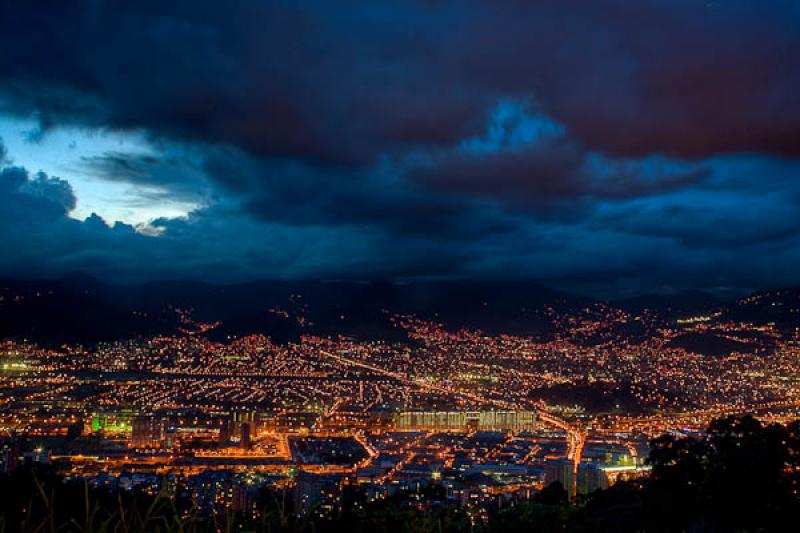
(491, 420)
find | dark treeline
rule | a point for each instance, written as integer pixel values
(740, 475)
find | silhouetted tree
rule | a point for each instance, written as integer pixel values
(740, 475)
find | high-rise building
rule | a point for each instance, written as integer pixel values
(152, 432)
(490, 420)
(562, 471)
(244, 432)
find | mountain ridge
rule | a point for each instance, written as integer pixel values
(81, 309)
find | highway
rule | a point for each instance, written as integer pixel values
(576, 437)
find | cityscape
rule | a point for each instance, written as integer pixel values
(399, 266)
(491, 420)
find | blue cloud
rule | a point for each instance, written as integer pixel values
(604, 146)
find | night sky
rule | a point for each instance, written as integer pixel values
(604, 147)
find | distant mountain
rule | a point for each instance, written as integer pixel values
(678, 305)
(84, 310)
(780, 307)
(354, 308)
(73, 311)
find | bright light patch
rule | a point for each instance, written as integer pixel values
(62, 151)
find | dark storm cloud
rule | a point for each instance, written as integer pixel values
(684, 78)
(29, 200)
(343, 82)
(301, 194)
(530, 161)
(274, 78)
(39, 239)
(589, 144)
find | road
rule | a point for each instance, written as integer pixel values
(576, 437)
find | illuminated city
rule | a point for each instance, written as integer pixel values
(489, 418)
(440, 266)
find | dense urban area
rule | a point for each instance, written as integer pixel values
(335, 423)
